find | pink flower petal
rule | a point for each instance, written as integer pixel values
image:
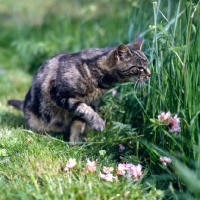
(114, 92)
(135, 171)
(165, 160)
(167, 116)
(164, 117)
(121, 147)
(130, 170)
(70, 164)
(107, 170)
(121, 169)
(91, 166)
(175, 124)
(107, 177)
(161, 116)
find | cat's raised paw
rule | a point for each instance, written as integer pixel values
(98, 124)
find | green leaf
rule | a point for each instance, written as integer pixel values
(153, 120)
(3, 152)
(102, 152)
(188, 176)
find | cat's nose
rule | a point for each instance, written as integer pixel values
(148, 72)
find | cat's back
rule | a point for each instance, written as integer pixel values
(66, 61)
(67, 67)
(48, 69)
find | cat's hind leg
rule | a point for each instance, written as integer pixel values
(77, 131)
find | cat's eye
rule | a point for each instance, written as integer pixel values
(141, 69)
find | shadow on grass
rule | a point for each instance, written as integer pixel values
(12, 120)
(16, 120)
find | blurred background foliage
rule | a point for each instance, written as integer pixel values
(42, 28)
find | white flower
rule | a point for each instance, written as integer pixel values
(70, 164)
(165, 160)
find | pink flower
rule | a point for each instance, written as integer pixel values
(135, 171)
(165, 160)
(167, 119)
(175, 122)
(161, 116)
(108, 177)
(107, 170)
(130, 170)
(114, 92)
(121, 169)
(29, 140)
(121, 147)
(91, 166)
(129, 165)
(164, 117)
(70, 164)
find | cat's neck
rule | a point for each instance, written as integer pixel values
(104, 70)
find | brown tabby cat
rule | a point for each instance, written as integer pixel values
(67, 88)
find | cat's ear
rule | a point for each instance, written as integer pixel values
(122, 51)
(137, 44)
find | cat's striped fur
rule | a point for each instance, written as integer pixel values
(67, 88)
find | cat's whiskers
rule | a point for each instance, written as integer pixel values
(139, 82)
(142, 85)
(136, 84)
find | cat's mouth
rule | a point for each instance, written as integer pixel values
(138, 79)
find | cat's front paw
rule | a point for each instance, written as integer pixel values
(98, 123)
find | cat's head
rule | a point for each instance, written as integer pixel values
(131, 61)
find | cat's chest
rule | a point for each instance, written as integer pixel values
(93, 98)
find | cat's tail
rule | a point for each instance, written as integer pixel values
(18, 104)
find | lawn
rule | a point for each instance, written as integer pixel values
(153, 128)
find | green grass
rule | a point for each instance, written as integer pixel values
(32, 165)
(35, 171)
